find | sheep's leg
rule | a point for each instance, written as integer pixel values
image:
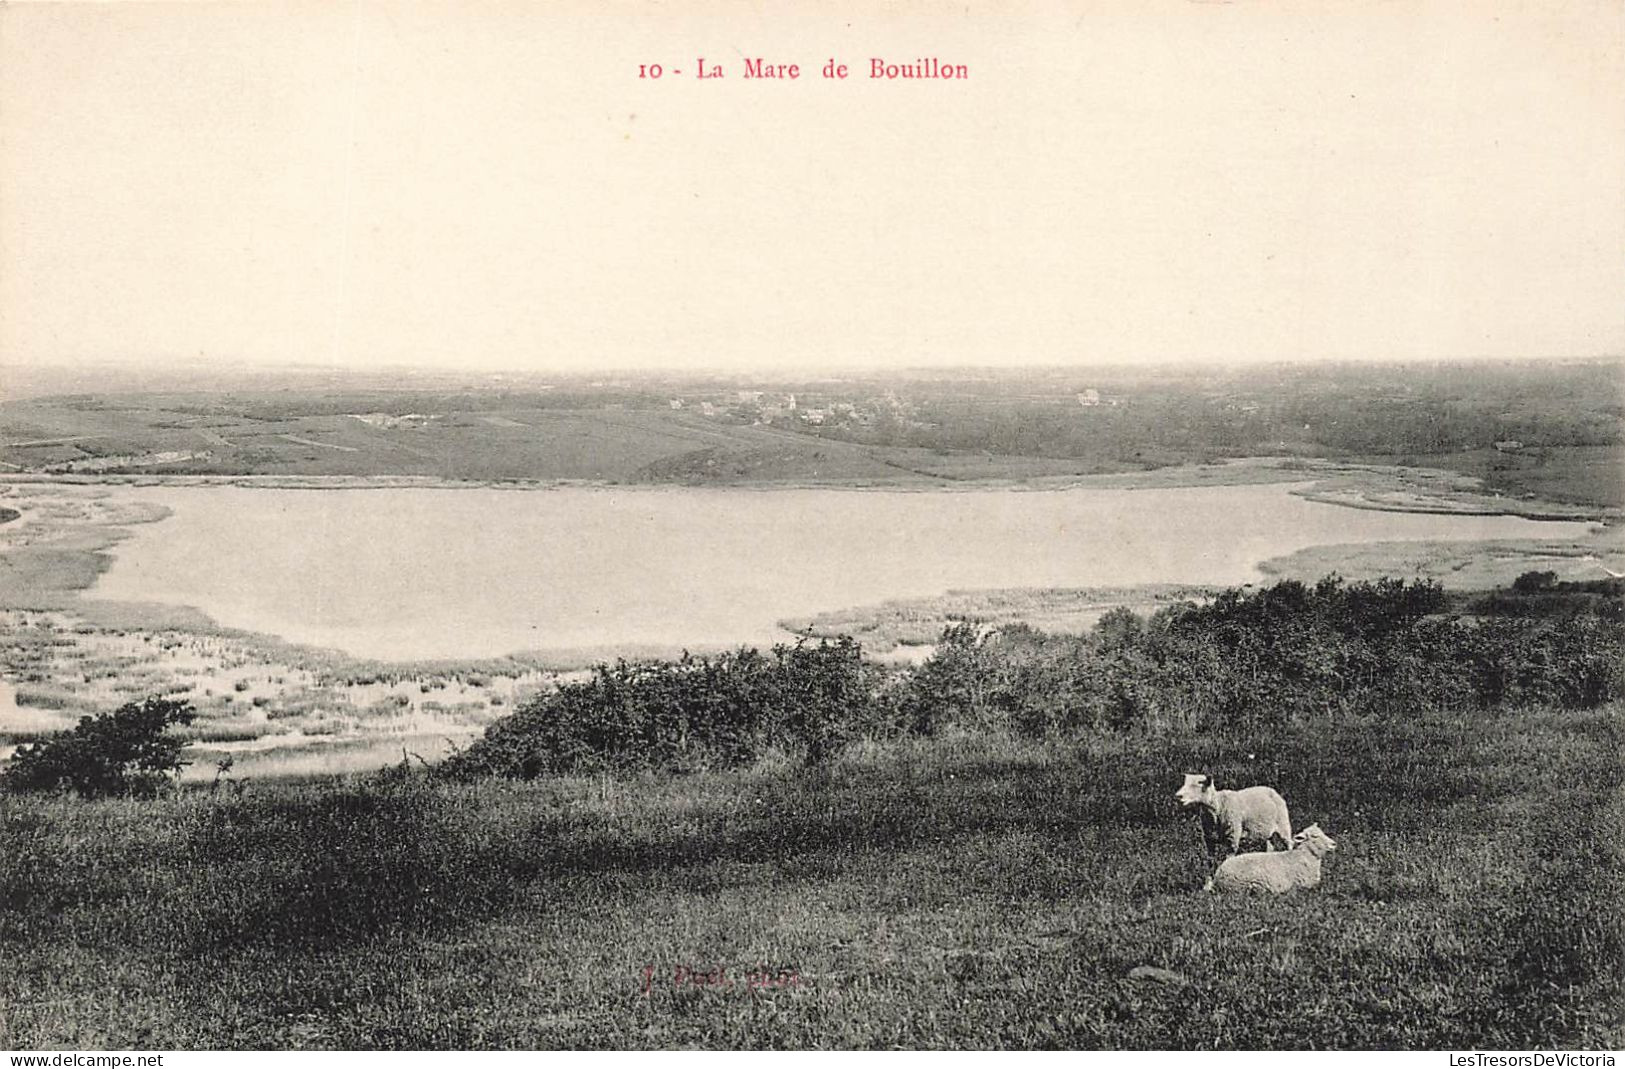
(1210, 839)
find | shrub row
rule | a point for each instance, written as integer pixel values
(1244, 661)
(1282, 655)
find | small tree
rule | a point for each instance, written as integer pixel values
(1534, 582)
(125, 752)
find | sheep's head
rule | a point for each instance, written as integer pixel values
(1197, 788)
(1314, 840)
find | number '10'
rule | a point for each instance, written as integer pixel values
(650, 70)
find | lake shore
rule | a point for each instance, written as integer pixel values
(62, 547)
(278, 707)
(1394, 488)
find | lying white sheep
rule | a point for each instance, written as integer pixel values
(1230, 818)
(1273, 873)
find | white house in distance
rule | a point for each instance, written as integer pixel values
(1089, 398)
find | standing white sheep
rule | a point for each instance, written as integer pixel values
(1272, 873)
(1231, 817)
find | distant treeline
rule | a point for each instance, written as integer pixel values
(1245, 661)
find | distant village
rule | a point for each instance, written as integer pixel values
(770, 408)
(764, 407)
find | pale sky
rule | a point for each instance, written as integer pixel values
(492, 184)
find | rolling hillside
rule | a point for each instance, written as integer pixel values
(472, 436)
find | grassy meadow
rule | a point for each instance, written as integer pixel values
(954, 891)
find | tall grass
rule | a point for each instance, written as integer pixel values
(960, 890)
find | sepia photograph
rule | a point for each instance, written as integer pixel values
(696, 525)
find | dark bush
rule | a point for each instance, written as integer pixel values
(696, 712)
(125, 752)
(1531, 582)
